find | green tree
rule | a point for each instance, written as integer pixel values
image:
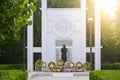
(111, 37)
(14, 15)
(116, 26)
(63, 3)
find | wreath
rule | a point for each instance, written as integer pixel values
(52, 66)
(79, 65)
(71, 65)
(59, 62)
(87, 65)
(38, 63)
(44, 64)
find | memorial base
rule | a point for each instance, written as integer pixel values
(58, 74)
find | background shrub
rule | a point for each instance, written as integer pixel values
(114, 66)
(106, 66)
(13, 75)
(12, 67)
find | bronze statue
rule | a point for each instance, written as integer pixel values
(64, 53)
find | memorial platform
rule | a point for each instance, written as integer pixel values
(58, 76)
(64, 74)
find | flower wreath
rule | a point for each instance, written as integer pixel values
(87, 65)
(79, 65)
(51, 65)
(44, 64)
(38, 63)
(59, 62)
(71, 65)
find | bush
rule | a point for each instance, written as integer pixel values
(13, 75)
(12, 66)
(105, 75)
(106, 66)
(114, 66)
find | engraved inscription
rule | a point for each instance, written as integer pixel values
(61, 42)
(63, 27)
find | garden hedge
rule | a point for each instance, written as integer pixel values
(12, 66)
(105, 75)
(13, 75)
(113, 66)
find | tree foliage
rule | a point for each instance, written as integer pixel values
(64, 3)
(111, 37)
(116, 26)
(14, 15)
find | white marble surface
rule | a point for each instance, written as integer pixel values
(59, 78)
(49, 76)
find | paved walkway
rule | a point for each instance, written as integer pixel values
(47, 76)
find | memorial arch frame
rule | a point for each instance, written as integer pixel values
(46, 44)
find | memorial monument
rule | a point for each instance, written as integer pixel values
(64, 26)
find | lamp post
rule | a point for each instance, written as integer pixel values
(24, 48)
(90, 19)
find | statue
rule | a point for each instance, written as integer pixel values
(64, 53)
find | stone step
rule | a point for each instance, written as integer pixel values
(59, 78)
(63, 74)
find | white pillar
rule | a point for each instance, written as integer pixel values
(44, 33)
(30, 46)
(97, 36)
(83, 40)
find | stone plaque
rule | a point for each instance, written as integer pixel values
(61, 42)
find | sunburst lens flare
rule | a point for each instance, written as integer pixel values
(109, 7)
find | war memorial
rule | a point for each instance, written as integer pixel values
(64, 40)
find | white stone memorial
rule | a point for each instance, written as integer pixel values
(64, 26)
